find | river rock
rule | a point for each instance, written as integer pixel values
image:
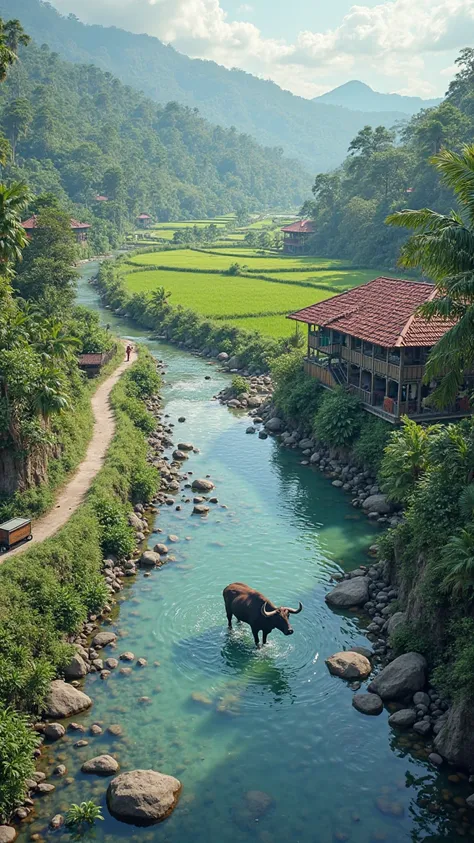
(395, 621)
(64, 700)
(111, 663)
(403, 719)
(202, 485)
(420, 698)
(142, 797)
(76, 668)
(353, 592)
(423, 727)
(160, 548)
(367, 703)
(7, 834)
(185, 446)
(57, 821)
(101, 765)
(274, 425)
(103, 638)
(364, 651)
(180, 456)
(222, 357)
(455, 740)
(54, 731)
(401, 678)
(349, 665)
(150, 559)
(377, 503)
(200, 509)
(470, 801)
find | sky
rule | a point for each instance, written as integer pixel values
(306, 46)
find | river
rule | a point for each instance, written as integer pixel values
(273, 720)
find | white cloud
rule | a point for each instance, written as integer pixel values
(392, 40)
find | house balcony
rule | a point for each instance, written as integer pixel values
(380, 366)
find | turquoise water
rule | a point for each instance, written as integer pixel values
(272, 720)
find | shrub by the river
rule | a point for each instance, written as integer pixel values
(17, 742)
(296, 394)
(239, 385)
(339, 418)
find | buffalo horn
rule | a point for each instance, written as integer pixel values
(269, 614)
(296, 611)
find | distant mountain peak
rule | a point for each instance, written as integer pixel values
(358, 96)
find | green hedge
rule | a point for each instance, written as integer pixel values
(47, 593)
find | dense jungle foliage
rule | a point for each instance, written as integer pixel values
(77, 132)
(386, 171)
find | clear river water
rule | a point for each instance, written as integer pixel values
(223, 717)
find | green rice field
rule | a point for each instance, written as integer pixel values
(223, 296)
(191, 259)
(250, 303)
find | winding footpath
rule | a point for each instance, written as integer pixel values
(72, 494)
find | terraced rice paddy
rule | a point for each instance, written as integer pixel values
(199, 260)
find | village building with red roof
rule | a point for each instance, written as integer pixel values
(143, 221)
(80, 229)
(296, 237)
(372, 340)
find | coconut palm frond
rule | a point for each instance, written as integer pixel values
(457, 173)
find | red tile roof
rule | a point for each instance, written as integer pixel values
(100, 198)
(383, 311)
(300, 227)
(93, 359)
(144, 217)
(32, 222)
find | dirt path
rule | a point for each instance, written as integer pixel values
(72, 494)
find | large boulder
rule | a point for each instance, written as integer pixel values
(403, 719)
(349, 665)
(377, 503)
(367, 703)
(347, 593)
(455, 740)
(150, 559)
(64, 700)
(142, 797)
(101, 765)
(202, 485)
(76, 668)
(54, 731)
(102, 639)
(274, 425)
(395, 621)
(234, 362)
(7, 834)
(401, 678)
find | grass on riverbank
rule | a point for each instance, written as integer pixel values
(47, 593)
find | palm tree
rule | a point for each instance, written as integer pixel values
(442, 246)
(14, 199)
(457, 564)
(49, 396)
(53, 343)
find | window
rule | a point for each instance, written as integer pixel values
(368, 348)
(356, 344)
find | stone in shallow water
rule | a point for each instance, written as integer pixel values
(403, 719)
(348, 593)
(103, 638)
(143, 797)
(101, 765)
(7, 834)
(64, 700)
(367, 703)
(349, 665)
(401, 678)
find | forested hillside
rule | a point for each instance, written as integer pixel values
(78, 132)
(382, 175)
(314, 133)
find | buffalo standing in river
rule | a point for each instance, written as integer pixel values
(252, 607)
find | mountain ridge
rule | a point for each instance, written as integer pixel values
(317, 135)
(358, 96)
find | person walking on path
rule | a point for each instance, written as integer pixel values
(128, 351)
